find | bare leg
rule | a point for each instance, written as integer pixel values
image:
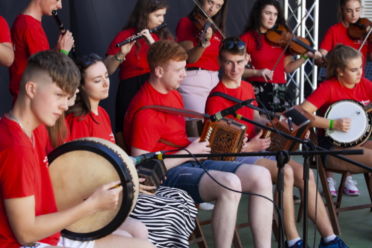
(122, 242)
(256, 179)
(288, 205)
(322, 220)
(134, 228)
(365, 158)
(226, 207)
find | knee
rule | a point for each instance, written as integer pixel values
(233, 182)
(142, 231)
(139, 230)
(261, 180)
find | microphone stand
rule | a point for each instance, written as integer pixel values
(308, 146)
(282, 159)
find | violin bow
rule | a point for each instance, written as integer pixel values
(365, 39)
(209, 19)
(287, 45)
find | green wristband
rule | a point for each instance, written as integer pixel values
(331, 124)
(305, 57)
(64, 51)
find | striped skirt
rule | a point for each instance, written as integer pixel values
(169, 216)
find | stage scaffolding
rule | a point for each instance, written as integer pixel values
(303, 17)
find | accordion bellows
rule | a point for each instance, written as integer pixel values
(294, 122)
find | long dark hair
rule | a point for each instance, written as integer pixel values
(219, 19)
(138, 19)
(82, 105)
(254, 21)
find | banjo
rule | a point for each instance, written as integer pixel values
(361, 123)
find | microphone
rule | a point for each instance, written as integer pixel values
(147, 156)
(230, 110)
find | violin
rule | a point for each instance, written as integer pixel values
(359, 30)
(281, 36)
(202, 23)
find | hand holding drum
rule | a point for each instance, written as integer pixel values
(105, 197)
(88, 171)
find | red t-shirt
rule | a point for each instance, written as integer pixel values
(265, 57)
(143, 129)
(135, 63)
(90, 125)
(4, 31)
(337, 34)
(186, 30)
(23, 173)
(28, 38)
(331, 91)
(218, 103)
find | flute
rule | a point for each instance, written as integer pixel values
(60, 25)
(62, 29)
(138, 36)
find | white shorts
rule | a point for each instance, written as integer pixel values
(65, 242)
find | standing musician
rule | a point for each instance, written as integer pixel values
(270, 83)
(87, 119)
(233, 58)
(134, 69)
(29, 38)
(349, 11)
(148, 130)
(6, 46)
(201, 38)
(346, 81)
(28, 211)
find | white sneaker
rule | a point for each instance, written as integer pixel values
(206, 206)
(331, 186)
(350, 187)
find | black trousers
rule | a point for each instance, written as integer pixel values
(127, 89)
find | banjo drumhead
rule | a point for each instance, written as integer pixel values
(360, 123)
(77, 169)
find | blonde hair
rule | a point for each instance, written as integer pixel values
(338, 58)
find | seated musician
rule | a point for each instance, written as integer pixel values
(87, 119)
(149, 130)
(345, 82)
(233, 58)
(28, 211)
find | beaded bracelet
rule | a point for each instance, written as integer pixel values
(120, 59)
